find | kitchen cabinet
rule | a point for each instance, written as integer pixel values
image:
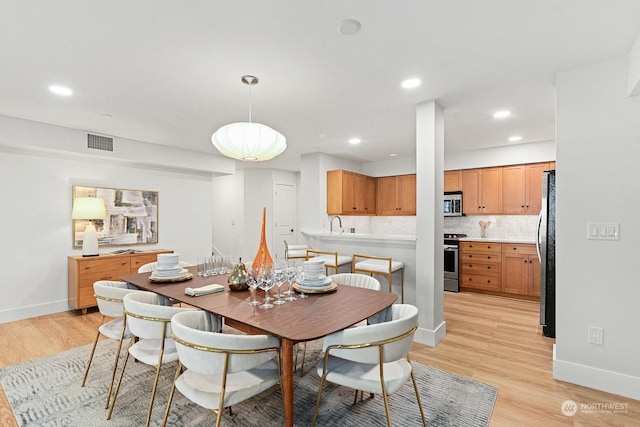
(522, 188)
(453, 180)
(520, 270)
(350, 193)
(482, 191)
(83, 271)
(397, 195)
(480, 266)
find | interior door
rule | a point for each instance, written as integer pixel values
(284, 214)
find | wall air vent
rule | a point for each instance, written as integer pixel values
(98, 142)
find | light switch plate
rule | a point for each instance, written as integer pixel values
(603, 231)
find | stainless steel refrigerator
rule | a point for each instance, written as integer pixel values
(546, 245)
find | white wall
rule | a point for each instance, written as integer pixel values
(532, 152)
(36, 212)
(598, 147)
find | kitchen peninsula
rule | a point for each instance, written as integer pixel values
(399, 247)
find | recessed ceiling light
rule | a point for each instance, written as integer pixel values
(61, 90)
(515, 138)
(349, 27)
(355, 141)
(411, 83)
(393, 155)
(502, 114)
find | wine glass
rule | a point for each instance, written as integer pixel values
(300, 280)
(252, 282)
(279, 279)
(290, 274)
(265, 282)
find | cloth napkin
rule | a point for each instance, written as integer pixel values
(204, 290)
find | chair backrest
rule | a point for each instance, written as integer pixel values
(148, 314)
(109, 295)
(149, 267)
(395, 335)
(357, 280)
(294, 251)
(203, 350)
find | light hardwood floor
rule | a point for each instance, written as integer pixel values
(491, 339)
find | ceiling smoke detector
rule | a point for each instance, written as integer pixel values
(349, 27)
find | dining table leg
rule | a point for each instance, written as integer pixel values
(287, 379)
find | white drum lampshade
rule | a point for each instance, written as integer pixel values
(90, 208)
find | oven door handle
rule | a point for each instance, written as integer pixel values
(450, 248)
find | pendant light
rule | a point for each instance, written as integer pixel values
(249, 141)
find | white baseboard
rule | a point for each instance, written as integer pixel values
(431, 337)
(33, 311)
(596, 378)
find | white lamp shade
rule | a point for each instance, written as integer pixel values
(88, 208)
(249, 141)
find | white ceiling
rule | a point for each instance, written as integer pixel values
(168, 72)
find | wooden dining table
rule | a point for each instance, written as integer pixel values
(297, 321)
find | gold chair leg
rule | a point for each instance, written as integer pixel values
(124, 366)
(115, 363)
(304, 353)
(93, 350)
(415, 387)
(173, 389)
(315, 412)
(155, 383)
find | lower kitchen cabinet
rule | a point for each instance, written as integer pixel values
(520, 270)
(500, 268)
(480, 266)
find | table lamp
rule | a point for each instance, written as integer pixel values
(90, 208)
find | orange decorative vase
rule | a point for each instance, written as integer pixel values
(262, 257)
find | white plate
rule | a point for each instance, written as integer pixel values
(316, 283)
(176, 272)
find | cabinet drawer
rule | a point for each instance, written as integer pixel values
(480, 247)
(140, 260)
(87, 279)
(519, 249)
(481, 268)
(480, 281)
(104, 264)
(487, 258)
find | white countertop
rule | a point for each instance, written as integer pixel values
(362, 237)
(498, 240)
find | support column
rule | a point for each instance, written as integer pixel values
(429, 246)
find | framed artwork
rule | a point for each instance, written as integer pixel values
(132, 216)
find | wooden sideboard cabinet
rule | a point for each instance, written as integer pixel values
(83, 271)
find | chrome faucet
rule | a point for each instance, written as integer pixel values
(331, 223)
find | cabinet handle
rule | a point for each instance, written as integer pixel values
(488, 267)
(525, 261)
(124, 263)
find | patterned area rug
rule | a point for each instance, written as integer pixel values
(47, 392)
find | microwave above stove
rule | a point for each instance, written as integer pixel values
(452, 203)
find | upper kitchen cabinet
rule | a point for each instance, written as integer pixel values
(482, 191)
(397, 195)
(453, 180)
(350, 193)
(522, 188)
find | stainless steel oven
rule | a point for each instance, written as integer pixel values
(451, 263)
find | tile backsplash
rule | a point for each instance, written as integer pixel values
(519, 227)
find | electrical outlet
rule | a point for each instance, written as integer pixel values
(596, 335)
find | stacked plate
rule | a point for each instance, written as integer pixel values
(168, 267)
(313, 273)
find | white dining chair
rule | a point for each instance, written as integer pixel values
(372, 358)
(109, 295)
(149, 319)
(221, 369)
(359, 281)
